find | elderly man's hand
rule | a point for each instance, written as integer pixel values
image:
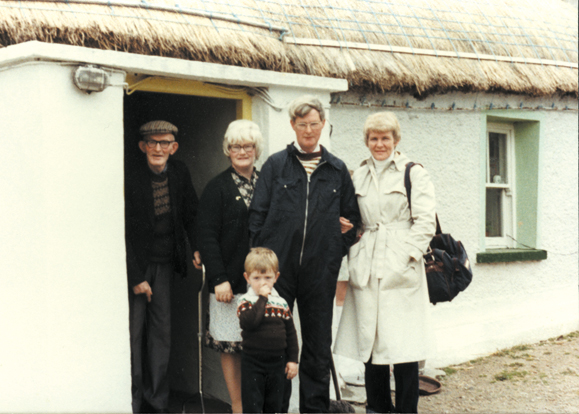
(291, 369)
(197, 260)
(345, 225)
(145, 288)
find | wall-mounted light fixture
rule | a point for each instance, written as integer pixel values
(90, 79)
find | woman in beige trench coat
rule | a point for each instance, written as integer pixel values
(385, 319)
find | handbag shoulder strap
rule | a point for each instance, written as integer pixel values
(408, 186)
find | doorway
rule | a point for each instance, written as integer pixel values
(202, 122)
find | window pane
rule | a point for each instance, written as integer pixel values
(498, 158)
(494, 222)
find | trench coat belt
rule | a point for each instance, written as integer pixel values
(381, 242)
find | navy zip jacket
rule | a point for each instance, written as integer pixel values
(299, 220)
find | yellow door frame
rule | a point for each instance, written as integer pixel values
(190, 87)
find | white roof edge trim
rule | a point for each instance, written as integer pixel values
(164, 66)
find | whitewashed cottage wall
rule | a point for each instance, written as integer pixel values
(63, 253)
(507, 303)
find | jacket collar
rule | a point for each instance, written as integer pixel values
(326, 155)
(400, 160)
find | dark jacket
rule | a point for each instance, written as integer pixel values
(222, 232)
(286, 204)
(140, 217)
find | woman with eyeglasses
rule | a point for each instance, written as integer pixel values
(223, 240)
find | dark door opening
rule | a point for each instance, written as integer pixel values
(202, 123)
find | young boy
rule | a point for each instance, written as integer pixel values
(270, 343)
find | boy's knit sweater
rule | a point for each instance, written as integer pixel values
(267, 325)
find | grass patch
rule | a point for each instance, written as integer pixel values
(514, 352)
(516, 365)
(449, 371)
(547, 353)
(570, 336)
(506, 375)
(569, 371)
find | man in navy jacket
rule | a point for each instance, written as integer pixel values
(160, 209)
(305, 210)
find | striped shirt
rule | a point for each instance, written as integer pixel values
(309, 160)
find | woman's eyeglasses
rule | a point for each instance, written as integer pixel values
(236, 148)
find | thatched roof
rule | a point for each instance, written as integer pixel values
(418, 46)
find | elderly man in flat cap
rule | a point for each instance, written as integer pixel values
(160, 209)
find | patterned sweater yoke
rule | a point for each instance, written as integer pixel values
(161, 199)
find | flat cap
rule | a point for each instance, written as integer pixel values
(158, 127)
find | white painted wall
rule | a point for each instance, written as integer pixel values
(64, 310)
(507, 303)
(67, 229)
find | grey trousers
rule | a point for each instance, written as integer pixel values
(151, 322)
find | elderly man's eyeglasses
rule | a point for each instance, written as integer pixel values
(236, 148)
(151, 143)
(315, 126)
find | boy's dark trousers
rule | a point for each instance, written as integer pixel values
(262, 382)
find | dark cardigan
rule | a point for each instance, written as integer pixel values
(140, 217)
(223, 233)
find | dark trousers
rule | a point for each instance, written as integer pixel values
(377, 379)
(151, 322)
(315, 314)
(262, 383)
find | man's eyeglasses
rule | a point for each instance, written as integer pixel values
(315, 126)
(236, 148)
(151, 143)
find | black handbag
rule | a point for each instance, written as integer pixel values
(448, 270)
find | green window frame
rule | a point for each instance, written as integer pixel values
(526, 143)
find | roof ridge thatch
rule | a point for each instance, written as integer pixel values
(416, 46)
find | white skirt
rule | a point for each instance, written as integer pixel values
(223, 320)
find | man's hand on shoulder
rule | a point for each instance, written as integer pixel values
(145, 288)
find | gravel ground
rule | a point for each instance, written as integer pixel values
(536, 378)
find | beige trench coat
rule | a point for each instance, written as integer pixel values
(386, 311)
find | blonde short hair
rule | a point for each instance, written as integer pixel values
(261, 259)
(382, 122)
(303, 105)
(243, 130)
